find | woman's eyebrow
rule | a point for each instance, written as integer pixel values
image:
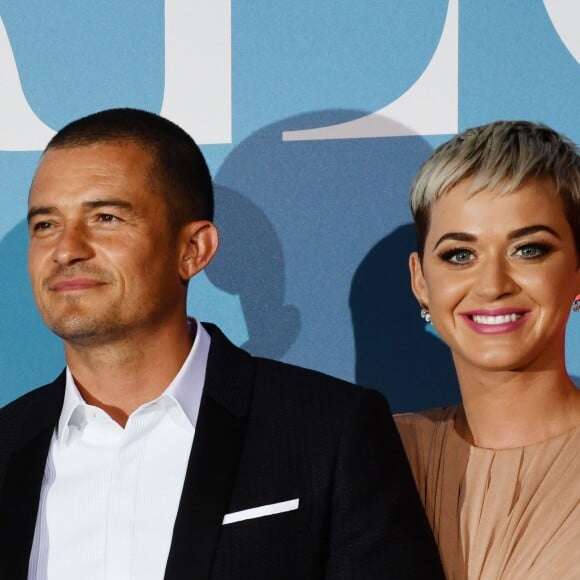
(520, 232)
(457, 236)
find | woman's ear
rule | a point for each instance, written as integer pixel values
(417, 280)
(198, 243)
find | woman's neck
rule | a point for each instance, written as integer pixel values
(516, 409)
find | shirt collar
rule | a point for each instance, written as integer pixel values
(185, 388)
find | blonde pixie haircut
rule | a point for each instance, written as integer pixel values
(502, 156)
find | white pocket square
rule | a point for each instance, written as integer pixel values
(261, 511)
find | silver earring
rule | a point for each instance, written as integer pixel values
(576, 305)
(427, 317)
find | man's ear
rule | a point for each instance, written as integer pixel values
(417, 280)
(198, 242)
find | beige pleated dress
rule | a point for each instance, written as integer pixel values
(506, 514)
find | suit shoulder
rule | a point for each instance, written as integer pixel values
(301, 375)
(24, 400)
(289, 381)
(38, 397)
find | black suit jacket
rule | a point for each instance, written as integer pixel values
(267, 432)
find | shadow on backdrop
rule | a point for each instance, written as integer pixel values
(250, 263)
(394, 353)
(22, 328)
(303, 215)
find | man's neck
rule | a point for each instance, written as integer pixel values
(121, 377)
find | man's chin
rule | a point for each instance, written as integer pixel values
(83, 332)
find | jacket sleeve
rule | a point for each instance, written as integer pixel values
(378, 526)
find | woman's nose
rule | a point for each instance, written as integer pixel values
(495, 279)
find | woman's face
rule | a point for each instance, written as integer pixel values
(499, 275)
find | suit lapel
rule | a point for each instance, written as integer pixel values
(23, 476)
(213, 461)
(209, 478)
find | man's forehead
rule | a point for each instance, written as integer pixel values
(100, 157)
(79, 169)
(100, 147)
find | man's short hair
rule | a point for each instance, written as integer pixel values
(179, 168)
(502, 156)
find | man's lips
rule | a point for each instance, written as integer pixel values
(72, 284)
(496, 320)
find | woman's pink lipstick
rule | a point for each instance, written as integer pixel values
(495, 321)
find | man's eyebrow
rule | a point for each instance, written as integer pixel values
(114, 202)
(521, 232)
(96, 204)
(457, 236)
(40, 210)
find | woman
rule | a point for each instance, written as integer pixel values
(497, 272)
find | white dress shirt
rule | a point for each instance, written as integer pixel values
(110, 495)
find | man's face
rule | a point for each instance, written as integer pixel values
(103, 259)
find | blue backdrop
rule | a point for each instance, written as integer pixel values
(314, 117)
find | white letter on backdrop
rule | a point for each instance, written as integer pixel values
(20, 127)
(565, 17)
(198, 71)
(198, 68)
(429, 107)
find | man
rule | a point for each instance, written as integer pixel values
(163, 450)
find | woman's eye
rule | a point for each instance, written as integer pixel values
(458, 256)
(530, 251)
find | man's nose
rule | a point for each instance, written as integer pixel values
(72, 245)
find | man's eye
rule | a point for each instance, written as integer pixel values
(41, 226)
(107, 217)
